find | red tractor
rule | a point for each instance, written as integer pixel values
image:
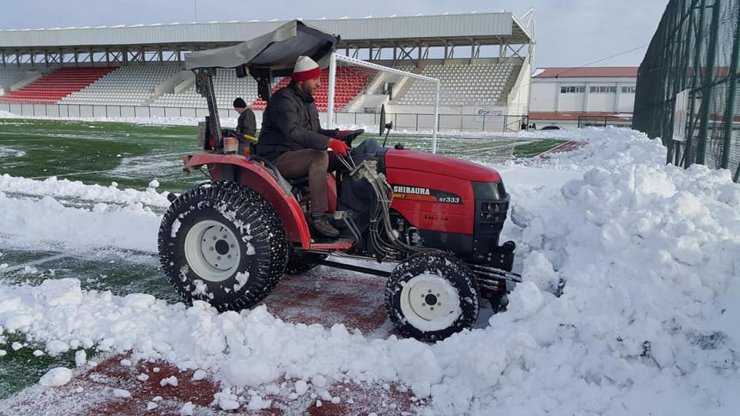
(230, 240)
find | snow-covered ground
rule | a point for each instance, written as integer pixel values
(648, 323)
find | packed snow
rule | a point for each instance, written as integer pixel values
(56, 377)
(647, 257)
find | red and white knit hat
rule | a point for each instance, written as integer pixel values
(305, 68)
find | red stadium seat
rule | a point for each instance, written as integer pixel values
(350, 82)
(56, 85)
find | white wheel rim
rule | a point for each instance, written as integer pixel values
(429, 302)
(212, 250)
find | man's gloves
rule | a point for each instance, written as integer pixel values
(338, 147)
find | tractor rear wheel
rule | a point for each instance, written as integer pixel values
(431, 296)
(224, 244)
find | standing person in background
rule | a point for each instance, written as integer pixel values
(247, 124)
(293, 140)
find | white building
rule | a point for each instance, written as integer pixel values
(595, 96)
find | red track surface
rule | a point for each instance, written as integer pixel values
(565, 147)
(356, 300)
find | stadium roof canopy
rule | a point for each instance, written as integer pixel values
(405, 31)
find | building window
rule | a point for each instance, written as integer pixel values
(572, 89)
(628, 90)
(602, 89)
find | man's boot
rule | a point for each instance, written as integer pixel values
(323, 227)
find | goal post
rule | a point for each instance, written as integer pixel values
(348, 61)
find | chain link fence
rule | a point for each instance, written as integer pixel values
(687, 84)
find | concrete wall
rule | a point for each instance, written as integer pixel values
(518, 100)
(473, 119)
(570, 102)
(546, 95)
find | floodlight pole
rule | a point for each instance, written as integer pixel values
(436, 119)
(332, 82)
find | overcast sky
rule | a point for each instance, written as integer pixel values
(569, 32)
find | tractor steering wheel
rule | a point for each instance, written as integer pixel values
(348, 135)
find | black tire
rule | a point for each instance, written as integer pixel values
(437, 279)
(299, 264)
(224, 244)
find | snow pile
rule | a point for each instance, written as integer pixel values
(64, 188)
(47, 221)
(651, 259)
(648, 320)
(56, 377)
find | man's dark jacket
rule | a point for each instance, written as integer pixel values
(247, 124)
(291, 122)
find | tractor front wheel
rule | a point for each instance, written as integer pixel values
(431, 296)
(224, 244)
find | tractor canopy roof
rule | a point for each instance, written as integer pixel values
(276, 51)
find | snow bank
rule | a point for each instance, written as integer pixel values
(64, 188)
(651, 259)
(46, 221)
(648, 321)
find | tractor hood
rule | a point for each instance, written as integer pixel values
(276, 50)
(401, 159)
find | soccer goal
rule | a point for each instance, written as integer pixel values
(357, 89)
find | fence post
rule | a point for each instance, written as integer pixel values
(688, 146)
(707, 87)
(731, 91)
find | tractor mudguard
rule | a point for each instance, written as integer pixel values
(254, 176)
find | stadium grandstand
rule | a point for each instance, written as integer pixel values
(483, 62)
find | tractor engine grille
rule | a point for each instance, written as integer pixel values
(491, 206)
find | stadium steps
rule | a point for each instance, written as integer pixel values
(508, 85)
(56, 85)
(226, 87)
(129, 85)
(401, 91)
(479, 83)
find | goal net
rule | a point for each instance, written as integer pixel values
(357, 90)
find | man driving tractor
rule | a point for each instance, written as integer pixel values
(293, 140)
